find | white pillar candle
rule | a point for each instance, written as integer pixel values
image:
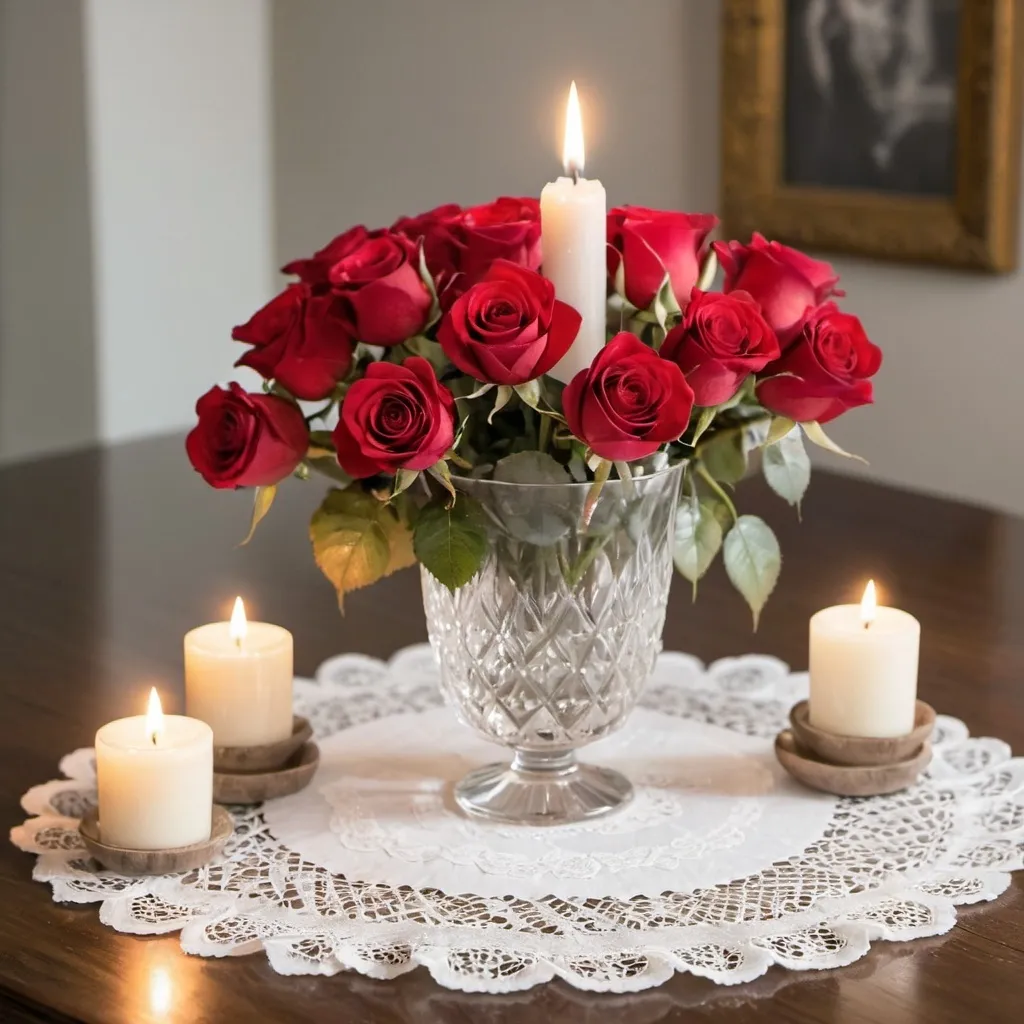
(573, 219)
(154, 776)
(863, 668)
(238, 678)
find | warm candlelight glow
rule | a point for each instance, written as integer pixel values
(572, 148)
(160, 992)
(239, 626)
(868, 605)
(154, 716)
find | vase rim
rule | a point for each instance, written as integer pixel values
(573, 484)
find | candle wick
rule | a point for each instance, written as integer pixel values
(238, 642)
(152, 737)
(575, 175)
(867, 625)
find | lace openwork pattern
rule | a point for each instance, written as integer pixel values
(890, 868)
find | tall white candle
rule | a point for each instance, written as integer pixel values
(863, 668)
(154, 776)
(238, 678)
(573, 218)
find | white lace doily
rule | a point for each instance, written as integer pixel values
(721, 867)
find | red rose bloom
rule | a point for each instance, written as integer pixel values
(629, 402)
(784, 282)
(508, 328)
(396, 417)
(435, 230)
(720, 342)
(507, 229)
(652, 243)
(245, 440)
(825, 371)
(385, 296)
(315, 269)
(301, 340)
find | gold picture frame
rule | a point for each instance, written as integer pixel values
(975, 226)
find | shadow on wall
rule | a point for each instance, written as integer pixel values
(48, 396)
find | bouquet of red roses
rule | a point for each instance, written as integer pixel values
(400, 360)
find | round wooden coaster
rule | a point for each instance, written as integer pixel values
(267, 756)
(156, 862)
(255, 787)
(862, 750)
(846, 779)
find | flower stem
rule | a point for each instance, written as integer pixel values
(719, 490)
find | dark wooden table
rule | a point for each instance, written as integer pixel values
(108, 557)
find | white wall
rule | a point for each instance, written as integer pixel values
(47, 366)
(179, 126)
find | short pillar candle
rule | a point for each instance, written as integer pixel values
(863, 669)
(238, 679)
(154, 776)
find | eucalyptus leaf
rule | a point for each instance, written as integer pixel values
(530, 468)
(818, 436)
(753, 561)
(787, 467)
(358, 539)
(262, 500)
(698, 537)
(451, 543)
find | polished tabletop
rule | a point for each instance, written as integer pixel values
(107, 557)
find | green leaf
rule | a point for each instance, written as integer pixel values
(261, 503)
(530, 468)
(698, 537)
(451, 542)
(442, 474)
(327, 465)
(779, 429)
(724, 457)
(818, 436)
(753, 561)
(707, 414)
(357, 540)
(787, 467)
(404, 479)
(419, 345)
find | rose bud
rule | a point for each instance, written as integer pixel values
(386, 299)
(784, 282)
(722, 340)
(629, 402)
(245, 440)
(396, 417)
(301, 340)
(508, 328)
(825, 371)
(652, 243)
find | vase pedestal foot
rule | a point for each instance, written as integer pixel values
(542, 789)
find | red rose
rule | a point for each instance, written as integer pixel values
(508, 328)
(436, 230)
(721, 340)
(380, 282)
(629, 402)
(507, 229)
(315, 269)
(245, 440)
(652, 243)
(396, 417)
(785, 283)
(824, 371)
(301, 340)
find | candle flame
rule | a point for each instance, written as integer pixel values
(160, 992)
(868, 605)
(572, 148)
(154, 716)
(239, 625)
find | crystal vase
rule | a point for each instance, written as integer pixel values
(547, 648)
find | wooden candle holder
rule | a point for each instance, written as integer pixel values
(266, 757)
(253, 787)
(156, 862)
(854, 765)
